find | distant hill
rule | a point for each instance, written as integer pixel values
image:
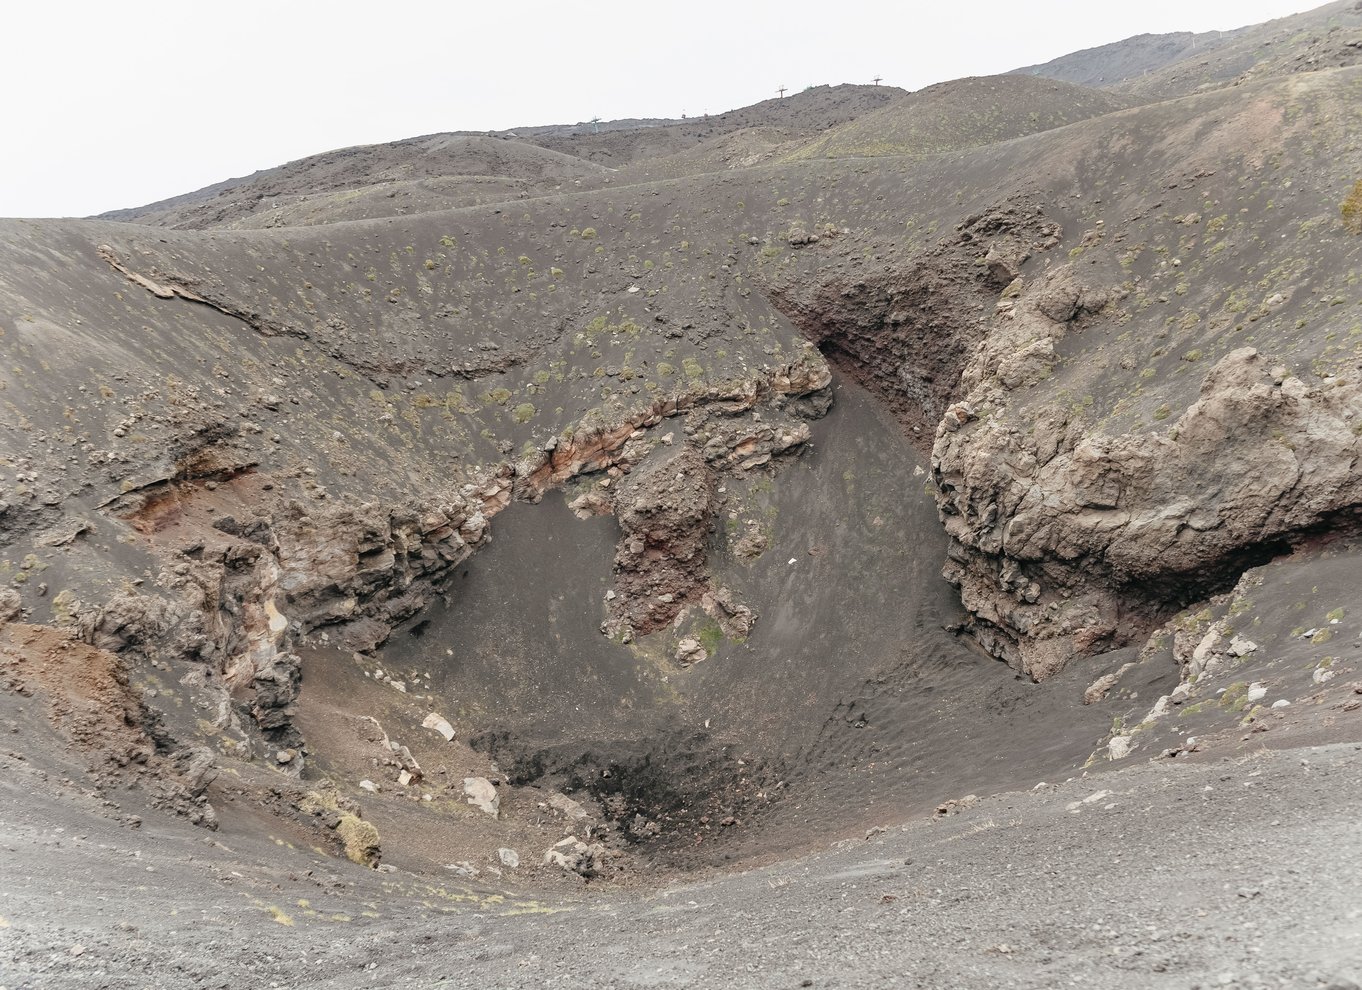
(1161, 66)
(441, 171)
(806, 113)
(519, 167)
(457, 169)
(1328, 37)
(964, 114)
(1119, 61)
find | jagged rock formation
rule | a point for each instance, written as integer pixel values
(1064, 542)
(89, 699)
(241, 595)
(907, 331)
(664, 509)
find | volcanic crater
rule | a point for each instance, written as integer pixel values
(577, 519)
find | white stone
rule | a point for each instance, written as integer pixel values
(1207, 644)
(1161, 708)
(569, 807)
(440, 724)
(575, 856)
(482, 794)
(1119, 747)
(278, 622)
(509, 857)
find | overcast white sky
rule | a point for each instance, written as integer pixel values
(108, 105)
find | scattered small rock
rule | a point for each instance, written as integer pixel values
(956, 805)
(690, 651)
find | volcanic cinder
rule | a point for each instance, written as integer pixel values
(415, 541)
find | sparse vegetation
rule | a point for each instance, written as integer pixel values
(1351, 209)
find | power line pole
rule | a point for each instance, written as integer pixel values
(878, 80)
(781, 91)
(594, 122)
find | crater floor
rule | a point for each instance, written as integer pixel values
(848, 701)
(1232, 871)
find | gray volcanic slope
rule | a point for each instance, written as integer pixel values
(679, 554)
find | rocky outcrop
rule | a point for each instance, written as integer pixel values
(357, 571)
(1066, 541)
(275, 690)
(89, 699)
(665, 494)
(341, 819)
(801, 388)
(164, 286)
(572, 855)
(10, 605)
(243, 593)
(907, 331)
(664, 510)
